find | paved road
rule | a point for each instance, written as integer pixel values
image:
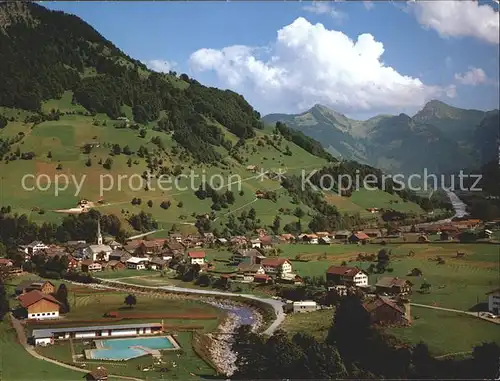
(276, 304)
(22, 339)
(475, 314)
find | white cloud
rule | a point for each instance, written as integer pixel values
(473, 77)
(459, 19)
(323, 8)
(368, 5)
(161, 66)
(310, 64)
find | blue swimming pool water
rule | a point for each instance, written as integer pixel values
(120, 349)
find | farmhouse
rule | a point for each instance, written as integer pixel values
(494, 301)
(114, 265)
(50, 335)
(287, 237)
(255, 243)
(119, 255)
(98, 374)
(197, 257)
(266, 242)
(324, 241)
(373, 233)
(247, 256)
(342, 275)
(262, 278)
(277, 265)
(157, 264)
(253, 269)
(221, 241)
(33, 247)
(89, 265)
(238, 240)
(359, 237)
(137, 263)
(342, 234)
(45, 287)
(150, 247)
(394, 286)
(39, 305)
(386, 312)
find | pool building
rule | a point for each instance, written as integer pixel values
(50, 335)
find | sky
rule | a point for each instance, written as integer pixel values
(359, 58)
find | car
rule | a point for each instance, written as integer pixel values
(488, 315)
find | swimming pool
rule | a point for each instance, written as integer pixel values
(125, 349)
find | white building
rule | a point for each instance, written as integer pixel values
(33, 248)
(494, 301)
(302, 306)
(276, 265)
(137, 263)
(343, 275)
(50, 335)
(94, 252)
(197, 257)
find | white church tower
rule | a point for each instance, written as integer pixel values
(99, 235)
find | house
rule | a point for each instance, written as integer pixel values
(266, 242)
(343, 275)
(88, 265)
(175, 237)
(251, 268)
(301, 306)
(39, 305)
(33, 247)
(148, 248)
(175, 248)
(324, 240)
(238, 241)
(132, 246)
(50, 335)
(114, 265)
(44, 286)
(255, 243)
(5, 262)
(384, 311)
(393, 286)
(323, 234)
(247, 256)
(114, 245)
(373, 233)
(359, 237)
(287, 238)
(196, 257)
(221, 241)
(276, 265)
(262, 278)
(494, 301)
(119, 255)
(342, 234)
(98, 252)
(423, 239)
(157, 263)
(309, 238)
(98, 374)
(137, 263)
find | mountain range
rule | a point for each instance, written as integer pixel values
(439, 137)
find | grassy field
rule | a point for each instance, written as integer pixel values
(446, 332)
(18, 365)
(87, 307)
(315, 323)
(64, 139)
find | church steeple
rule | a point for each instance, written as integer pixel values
(99, 235)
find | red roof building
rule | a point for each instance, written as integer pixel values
(39, 305)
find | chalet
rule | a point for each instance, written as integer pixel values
(276, 265)
(114, 265)
(393, 286)
(342, 234)
(266, 242)
(359, 237)
(196, 257)
(247, 256)
(255, 243)
(39, 305)
(44, 286)
(137, 263)
(349, 276)
(33, 247)
(119, 255)
(384, 311)
(373, 233)
(50, 335)
(147, 248)
(157, 264)
(238, 241)
(324, 240)
(292, 279)
(98, 374)
(251, 268)
(287, 238)
(262, 278)
(88, 265)
(98, 252)
(494, 301)
(5, 262)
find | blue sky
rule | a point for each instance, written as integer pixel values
(434, 51)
